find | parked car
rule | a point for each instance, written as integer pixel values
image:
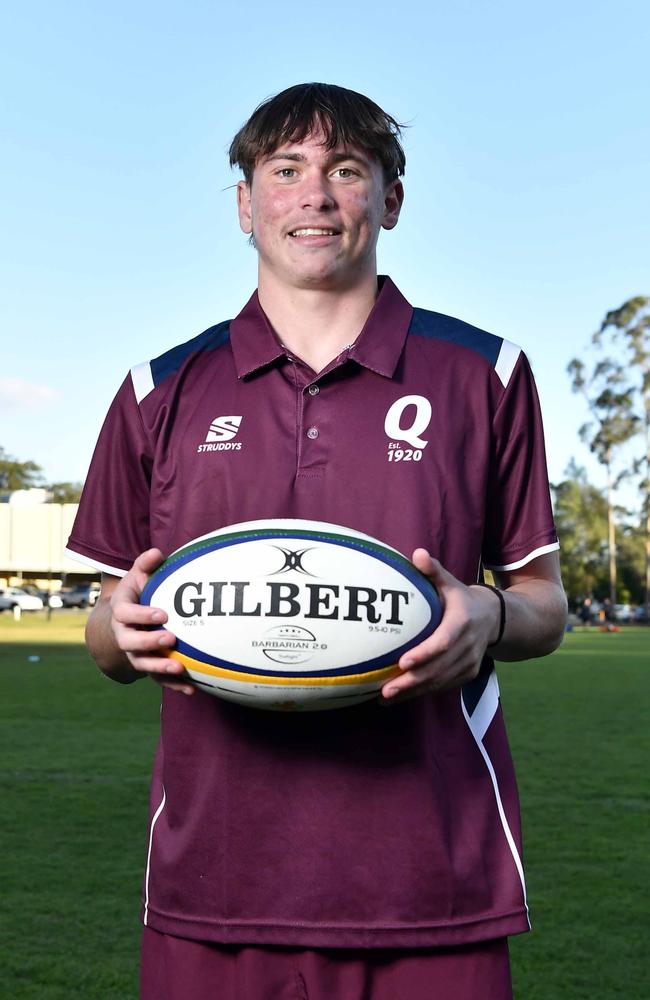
(83, 595)
(16, 597)
(49, 600)
(622, 613)
(641, 614)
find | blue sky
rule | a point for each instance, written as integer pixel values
(527, 195)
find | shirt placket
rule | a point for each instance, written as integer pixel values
(312, 431)
(312, 446)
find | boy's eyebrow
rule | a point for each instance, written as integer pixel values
(349, 155)
(285, 156)
(333, 158)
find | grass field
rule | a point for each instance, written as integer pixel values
(74, 765)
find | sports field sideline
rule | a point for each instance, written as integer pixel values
(75, 758)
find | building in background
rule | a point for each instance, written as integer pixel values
(33, 535)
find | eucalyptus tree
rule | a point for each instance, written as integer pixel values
(610, 399)
(580, 512)
(630, 324)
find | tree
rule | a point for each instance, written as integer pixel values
(65, 492)
(611, 403)
(580, 511)
(631, 563)
(15, 475)
(631, 323)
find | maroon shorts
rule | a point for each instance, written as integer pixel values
(177, 969)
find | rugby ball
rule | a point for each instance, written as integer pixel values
(292, 614)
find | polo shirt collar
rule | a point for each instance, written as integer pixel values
(378, 346)
(380, 343)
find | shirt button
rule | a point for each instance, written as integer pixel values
(313, 390)
(312, 433)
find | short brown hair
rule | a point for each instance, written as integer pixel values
(345, 117)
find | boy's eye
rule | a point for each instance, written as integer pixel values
(286, 172)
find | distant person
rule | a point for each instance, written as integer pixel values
(586, 611)
(371, 852)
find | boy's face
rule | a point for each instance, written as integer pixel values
(315, 214)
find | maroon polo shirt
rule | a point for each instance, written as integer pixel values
(366, 826)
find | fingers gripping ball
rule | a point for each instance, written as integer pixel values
(292, 614)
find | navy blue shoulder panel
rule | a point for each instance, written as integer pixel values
(169, 362)
(440, 327)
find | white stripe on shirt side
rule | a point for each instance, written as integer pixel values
(504, 820)
(142, 380)
(506, 361)
(553, 547)
(87, 561)
(146, 878)
(486, 708)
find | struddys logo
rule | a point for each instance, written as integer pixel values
(221, 434)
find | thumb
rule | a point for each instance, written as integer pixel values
(141, 570)
(425, 562)
(149, 560)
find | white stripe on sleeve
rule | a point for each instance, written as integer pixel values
(506, 361)
(142, 380)
(553, 547)
(87, 561)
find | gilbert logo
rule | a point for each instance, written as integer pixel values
(415, 413)
(292, 561)
(219, 437)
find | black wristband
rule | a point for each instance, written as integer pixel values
(502, 602)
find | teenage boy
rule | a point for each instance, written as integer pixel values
(372, 851)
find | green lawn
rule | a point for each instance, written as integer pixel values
(76, 754)
(75, 758)
(579, 729)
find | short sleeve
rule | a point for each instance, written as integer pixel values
(519, 516)
(112, 524)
